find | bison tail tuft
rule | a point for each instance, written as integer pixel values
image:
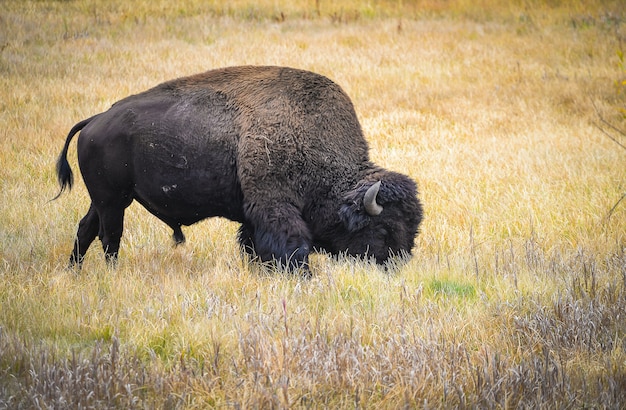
(64, 175)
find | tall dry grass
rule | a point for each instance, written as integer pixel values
(515, 296)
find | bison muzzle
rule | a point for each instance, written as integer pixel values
(277, 149)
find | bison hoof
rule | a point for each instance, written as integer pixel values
(74, 265)
(297, 262)
(178, 236)
(111, 260)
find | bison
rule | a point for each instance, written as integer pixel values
(277, 149)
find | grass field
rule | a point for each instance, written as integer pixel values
(515, 296)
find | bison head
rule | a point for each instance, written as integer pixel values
(380, 217)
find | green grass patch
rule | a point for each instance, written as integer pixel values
(452, 288)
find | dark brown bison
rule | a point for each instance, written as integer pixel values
(277, 149)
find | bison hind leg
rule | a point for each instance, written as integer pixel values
(87, 231)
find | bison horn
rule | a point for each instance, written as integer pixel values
(369, 200)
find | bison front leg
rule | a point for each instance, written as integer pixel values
(277, 233)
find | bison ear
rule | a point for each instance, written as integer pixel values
(353, 212)
(353, 217)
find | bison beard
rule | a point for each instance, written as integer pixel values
(279, 150)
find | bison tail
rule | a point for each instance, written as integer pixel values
(64, 171)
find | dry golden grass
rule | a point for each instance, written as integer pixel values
(515, 296)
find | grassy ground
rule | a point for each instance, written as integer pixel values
(515, 297)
